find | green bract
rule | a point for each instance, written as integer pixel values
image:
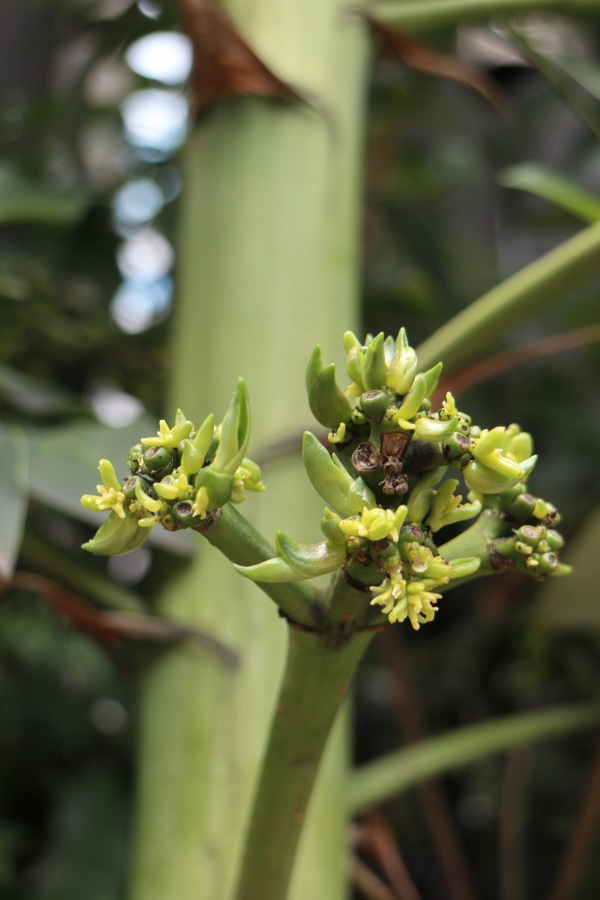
(176, 479)
(389, 488)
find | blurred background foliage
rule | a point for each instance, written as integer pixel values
(89, 182)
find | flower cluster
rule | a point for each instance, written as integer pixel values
(176, 478)
(390, 490)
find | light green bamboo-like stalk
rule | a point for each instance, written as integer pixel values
(268, 265)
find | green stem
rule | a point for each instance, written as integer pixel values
(424, 15)
(315, 682)
(242, 544)
(399, 771)
(474, 541)
(480, 325)
(57, 564)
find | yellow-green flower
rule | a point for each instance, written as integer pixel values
(247, 477)
(111, 497)
(375, 524)
(170, 437)
(173, 487)
(201, 503)
(401, 600)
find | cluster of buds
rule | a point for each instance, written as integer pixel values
(388, 490)
(176, 479)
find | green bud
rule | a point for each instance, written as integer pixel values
(374, 404)
(328, 404)
(157, 461)
(554, 539)
(434, 430)
(374, 367)
(134, 457)
(461, 568)
(530, 534)
(403, 366)
(521, 507)
(350, 341)
(183, 511)
(354, 367)
(272, 571)
(117, 536)
(432, 377)
(310, 560)
(456, 447)
(218, 486)
(235, 432)
(330, 526)
(346, 495)
(478, 477)
(421, 495)
(414, 398)
(129, 487)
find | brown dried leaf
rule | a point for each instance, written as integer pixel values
(224, 64)
(108, 627)
(422, 59)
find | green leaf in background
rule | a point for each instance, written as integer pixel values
(13, 497)
(25, 200)
(558, 190)
(574, 606)
(33, 397)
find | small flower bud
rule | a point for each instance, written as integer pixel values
(374, 404)
(157, 461)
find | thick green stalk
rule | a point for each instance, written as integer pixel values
(478, 326)
(398, 771)
(425, 15)
(241, 543)
(315, 682)
(268, 266)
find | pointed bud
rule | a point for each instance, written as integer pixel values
(331, 481)
(434, 430)
(117, 536)
(403, 367)
(235, 432)
(328, 404)
(374, 367)
(310, 560)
